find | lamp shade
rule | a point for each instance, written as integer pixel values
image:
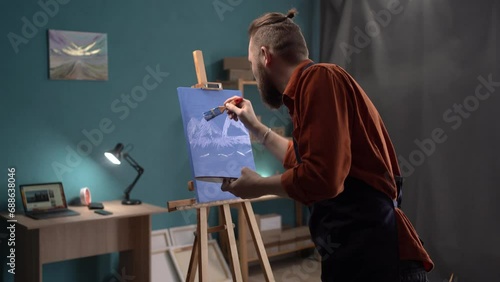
(114, 155)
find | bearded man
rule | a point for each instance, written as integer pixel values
(341, 162)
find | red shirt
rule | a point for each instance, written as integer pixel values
(340, 133)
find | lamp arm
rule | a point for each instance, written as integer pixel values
(137, 167)
(133, 163)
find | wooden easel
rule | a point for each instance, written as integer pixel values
(199, 255)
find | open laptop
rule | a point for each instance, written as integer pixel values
(45, 200)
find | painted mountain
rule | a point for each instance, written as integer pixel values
(218, 148)
(78, 55)
(202, 133)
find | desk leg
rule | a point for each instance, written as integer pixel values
(28, 265)
(135, 264)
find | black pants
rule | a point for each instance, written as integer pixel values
(412, 271)
(356, 236)
(409, 271)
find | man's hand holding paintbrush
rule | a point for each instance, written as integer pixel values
(251, 184)
(244, 112)
(217, 111)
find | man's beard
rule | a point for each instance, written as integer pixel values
(268, 92)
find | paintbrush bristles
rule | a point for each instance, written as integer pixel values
(213, 112)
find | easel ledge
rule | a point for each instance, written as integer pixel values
(188, 204)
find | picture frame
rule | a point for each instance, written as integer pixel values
(77, 55)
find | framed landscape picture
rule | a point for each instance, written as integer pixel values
(77, 55)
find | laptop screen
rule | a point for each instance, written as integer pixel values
(43, 197)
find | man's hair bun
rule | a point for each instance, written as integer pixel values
(291, 13)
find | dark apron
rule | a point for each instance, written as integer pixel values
(355, 233)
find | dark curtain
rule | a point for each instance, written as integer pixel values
(433, 70)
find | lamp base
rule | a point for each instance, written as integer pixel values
(131, 202)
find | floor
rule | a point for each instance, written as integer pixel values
(290, 269)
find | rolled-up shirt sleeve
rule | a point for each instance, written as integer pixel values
(321, 130)
(289, 161)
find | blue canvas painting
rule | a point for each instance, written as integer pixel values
(219, 147)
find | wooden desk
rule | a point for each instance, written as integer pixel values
(127, 231)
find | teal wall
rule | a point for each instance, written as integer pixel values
(43, 122)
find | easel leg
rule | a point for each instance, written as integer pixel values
(193, 262)
(257, 239)
(242, 237)
(235, 264)
(223, 240)
(202, 233)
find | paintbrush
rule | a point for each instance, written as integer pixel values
(220, 109)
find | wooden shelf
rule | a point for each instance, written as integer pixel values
(237, 84)
(242, 83)
(247, 82)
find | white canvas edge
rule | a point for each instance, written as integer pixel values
(177, 231)
(172, 267)
(218, 252)
(166, 236)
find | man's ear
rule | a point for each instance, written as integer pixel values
(266, 56)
